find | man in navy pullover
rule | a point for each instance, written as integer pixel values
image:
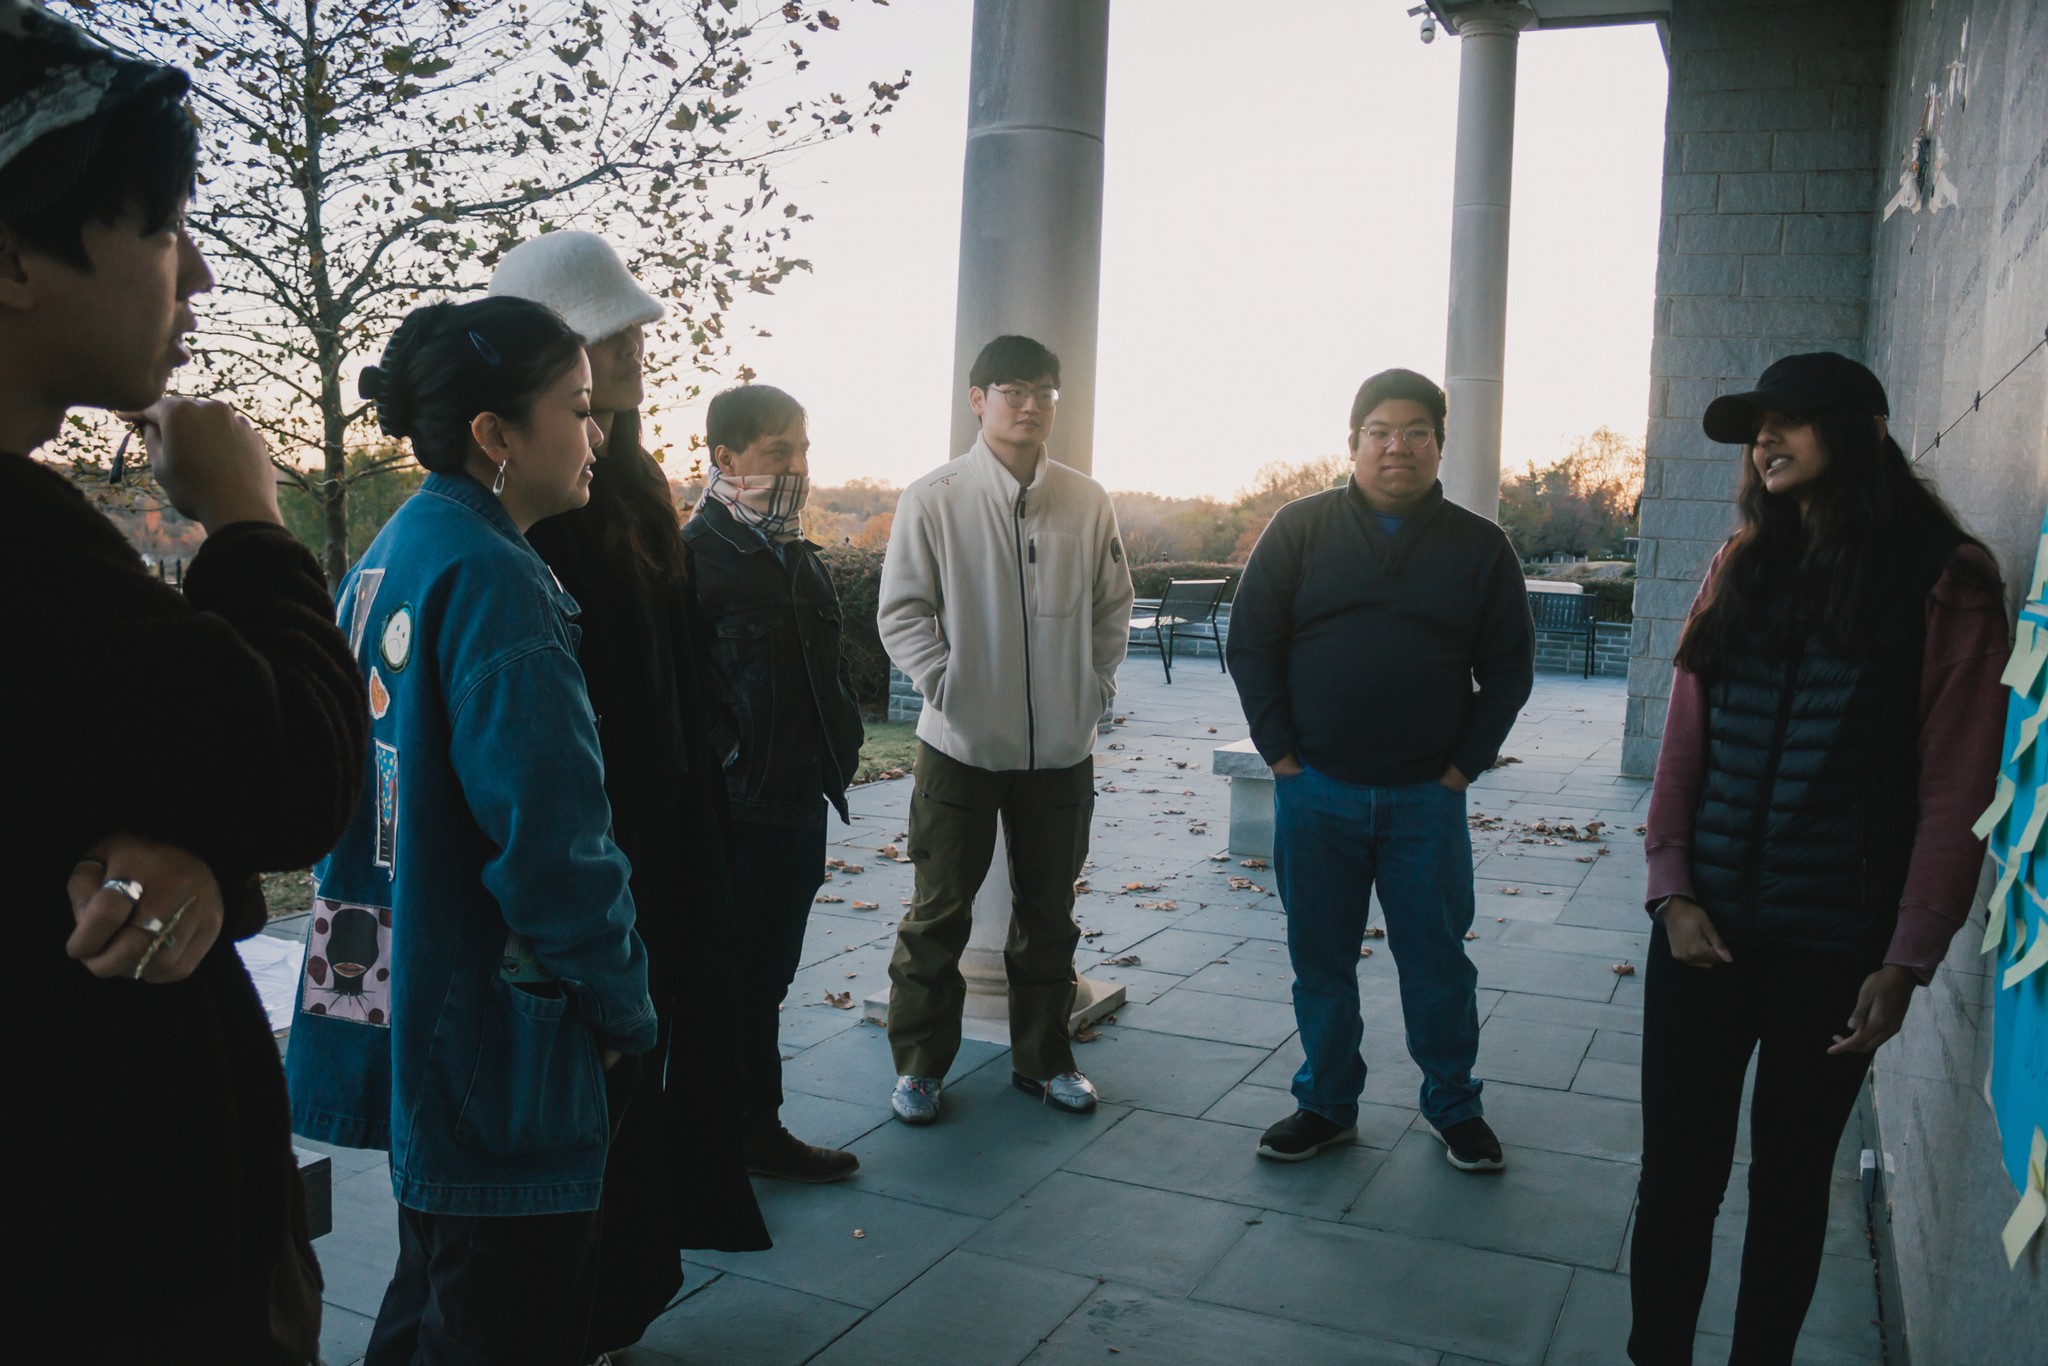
(1381, 645)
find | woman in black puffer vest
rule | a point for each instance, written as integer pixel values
(1834, 729)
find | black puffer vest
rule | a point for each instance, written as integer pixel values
(1807, 814)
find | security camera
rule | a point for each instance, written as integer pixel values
(1428, 22)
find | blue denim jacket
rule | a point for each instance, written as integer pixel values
(472, 947)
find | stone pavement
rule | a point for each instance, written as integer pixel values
(1008, 1232)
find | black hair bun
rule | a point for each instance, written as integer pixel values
(388, 383)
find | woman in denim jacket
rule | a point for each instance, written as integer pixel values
(473, 972)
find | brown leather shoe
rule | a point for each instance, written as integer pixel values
(779, 1153)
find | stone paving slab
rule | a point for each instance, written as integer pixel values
(1014, 1233)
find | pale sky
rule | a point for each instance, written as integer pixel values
(1276, 228)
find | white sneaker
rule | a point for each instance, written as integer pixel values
(915, 1099)
(1069, 1091)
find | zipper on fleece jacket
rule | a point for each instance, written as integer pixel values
(1024, 609)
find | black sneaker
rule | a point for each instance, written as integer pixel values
(1471, 1147)
(1302, 1135)
(779, 1153)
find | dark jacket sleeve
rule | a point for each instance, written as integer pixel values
(1261, 629)
(1503, 666)
(229, 720)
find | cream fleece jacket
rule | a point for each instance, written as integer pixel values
(1009, 607)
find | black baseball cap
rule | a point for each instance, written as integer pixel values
(1807, 383)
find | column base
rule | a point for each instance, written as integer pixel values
(986, 1017)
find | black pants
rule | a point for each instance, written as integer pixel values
(474, 1291)
(777, 870)
(1700, 1026)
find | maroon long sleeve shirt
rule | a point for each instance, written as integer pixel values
(1962, 729)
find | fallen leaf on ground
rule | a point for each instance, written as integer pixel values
(860, 1233)
(835, 863)
(1511, 891)
(1091, 934)
(1116, 721)
(829, 900)
(1219, 858)
(1252, 863)
(1583, 858)
(1471, 934)
(1212, 731)
(1624, 969)
(1116, 744)
(1141, 886)
(1365, 953)
(1504, 761)
(1081, 887)
(1641, 828)
(1375, 932)
(851, 975)
(890, 851)
(1173, 811)
(852, 868)
(1224, 962)
(841, 1000)
(1122, 960)
(1158, 905)
(867, 905)
(1107, 787)
(1148, 791)
(1086, 1034)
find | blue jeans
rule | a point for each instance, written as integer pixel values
(1333, 843)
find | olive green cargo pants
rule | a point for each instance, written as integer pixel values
(953, 812)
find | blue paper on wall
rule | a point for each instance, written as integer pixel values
(2019, 1027)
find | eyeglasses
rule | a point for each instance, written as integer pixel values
(1017, 396)
(1414, 438)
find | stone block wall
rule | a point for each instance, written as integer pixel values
(1958, 294)
(1772, 145)
(904, 702)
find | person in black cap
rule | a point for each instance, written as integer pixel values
(163, 745)
(1834, 729)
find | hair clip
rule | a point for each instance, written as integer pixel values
(485, 349)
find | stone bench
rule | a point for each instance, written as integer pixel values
(1251, 797)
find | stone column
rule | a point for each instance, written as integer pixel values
(1475, 348)
(1030, 263)
(1031, 202)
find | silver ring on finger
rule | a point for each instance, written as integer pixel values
(151, 927)
(126, 886)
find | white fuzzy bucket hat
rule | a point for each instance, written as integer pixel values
(579, 276)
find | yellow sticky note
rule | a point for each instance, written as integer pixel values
(1995, 907)
(2035, 958)
(2001, 802)
(2028, 653)
(2029, 728)
(2035, 820)
(2024, 666)
(2027, 1217)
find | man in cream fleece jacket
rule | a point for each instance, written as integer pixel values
(1006, 599)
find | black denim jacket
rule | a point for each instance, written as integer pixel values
(779, 669)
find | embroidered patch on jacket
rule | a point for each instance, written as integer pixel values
(348, 963)
(367, 584)
(1116, 550)
(394, 644)
(380, 696)
(386, 855)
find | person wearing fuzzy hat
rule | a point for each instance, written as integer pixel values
(676, 1177)
(164, 745)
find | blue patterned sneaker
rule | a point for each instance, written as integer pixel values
(916, 1099)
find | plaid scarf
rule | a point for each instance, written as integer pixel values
(769, 503)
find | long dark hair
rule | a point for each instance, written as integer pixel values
(449, 362)
(1839, 572)
(631, 510)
